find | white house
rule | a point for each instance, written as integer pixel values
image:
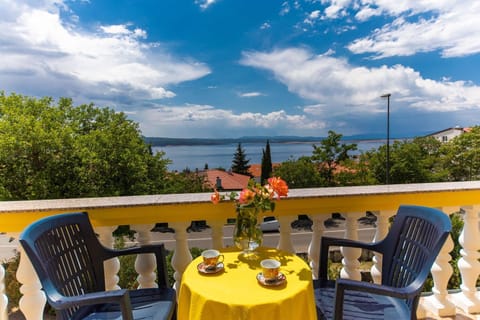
(448, 134)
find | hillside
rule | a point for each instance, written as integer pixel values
(165, 141)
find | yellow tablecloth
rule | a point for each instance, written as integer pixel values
(236, 294)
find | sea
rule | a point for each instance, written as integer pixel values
(194, 157)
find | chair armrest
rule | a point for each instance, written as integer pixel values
(347, 284)
(328, 242)
(120, 297)
(157, 249)
(361, 286)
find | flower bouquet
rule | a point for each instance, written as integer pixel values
(252, 200)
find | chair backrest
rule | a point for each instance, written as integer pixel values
(64, 251)
(412, 245)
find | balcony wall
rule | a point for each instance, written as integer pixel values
(142, 212)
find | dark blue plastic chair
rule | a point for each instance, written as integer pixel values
(68, 259)
(409, 251)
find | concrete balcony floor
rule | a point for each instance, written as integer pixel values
(459, 316)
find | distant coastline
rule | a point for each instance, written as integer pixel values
(218, 153)
(165, 141)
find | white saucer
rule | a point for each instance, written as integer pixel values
(202, 268)
(281, 279)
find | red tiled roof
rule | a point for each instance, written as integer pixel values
(230, 180)
(256, 169)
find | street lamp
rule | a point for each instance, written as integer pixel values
(387, 95)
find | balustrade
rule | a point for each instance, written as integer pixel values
(285, 241)
(217, 233)
(179, 210)
(33, 298)
(350, 261)
(441, 273)
(111, 266)
(181, 256)
(145, 264)
(380, 233)
(468, 265)
(318, 227)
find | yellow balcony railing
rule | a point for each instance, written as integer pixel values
(178, 210)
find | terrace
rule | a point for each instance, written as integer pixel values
(178, 210)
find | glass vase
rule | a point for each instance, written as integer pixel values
(247, 234)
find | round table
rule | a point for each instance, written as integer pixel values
(234, 293)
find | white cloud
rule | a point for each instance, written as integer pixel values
(366, 13)
(62, 59)
(449, 26)
(208, 121)
(285, 8)
(43, 48)
(123, 29)
(316, 109)
(116, 29)
(330, 52)
(336, 9)
(265, 25)
(204, 4)
(250, 94)
(341, 88)
(312, 17)
(450, 32)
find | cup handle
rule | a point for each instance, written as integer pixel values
(220, 259)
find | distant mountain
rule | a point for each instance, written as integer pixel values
(165, 141)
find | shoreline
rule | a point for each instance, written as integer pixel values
(173, 142)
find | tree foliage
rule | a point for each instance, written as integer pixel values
(50, 150)
(57, 150)
(266, 164)
(240, 162)
(354, 172)
(415, 161)
(300, 173)
(185, 182)
(331, 154)
(461, 156)
(419, 160)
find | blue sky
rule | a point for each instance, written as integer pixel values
(230, 68)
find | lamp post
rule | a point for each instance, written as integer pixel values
(387, 95)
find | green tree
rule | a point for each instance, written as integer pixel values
(461, 156)
(240, 162)
(415, 161)
(61, 151)
(185, 182)
(330, 154)
(299, 173)
(266, 163)
(355, 172)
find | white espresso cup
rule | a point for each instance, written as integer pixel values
(270, 269)
(211, 258)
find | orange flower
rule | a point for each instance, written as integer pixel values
(260, 198)
(279, 186)
(246, 196)
(215, 197)
(267, 192)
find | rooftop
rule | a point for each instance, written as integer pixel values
(226, 179)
